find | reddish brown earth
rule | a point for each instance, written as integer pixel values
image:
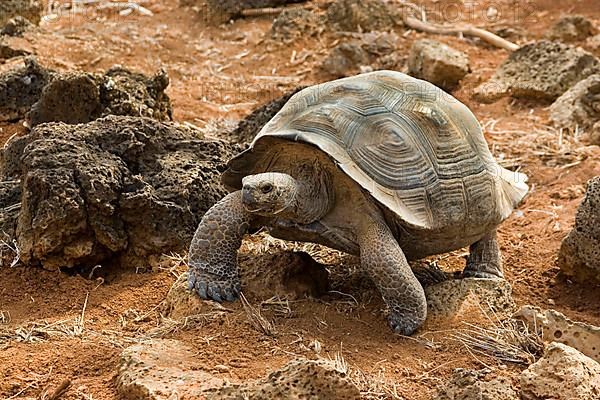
(225, 72)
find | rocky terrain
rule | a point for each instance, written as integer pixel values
(117, 120)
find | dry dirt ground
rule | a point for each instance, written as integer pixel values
(225, 72)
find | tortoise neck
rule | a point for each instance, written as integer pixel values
(314, 194)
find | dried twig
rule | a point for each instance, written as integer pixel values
(421, 24)
(259, 322)
(60, 390)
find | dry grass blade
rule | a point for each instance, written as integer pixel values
(4, 317)
(14, 248)
(374, 387)
(169, 326)
(281, 307)
(509, 341)
(259, 322)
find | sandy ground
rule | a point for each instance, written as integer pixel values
(224, 72)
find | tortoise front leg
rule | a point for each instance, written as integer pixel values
(212, 257)
(386, 264)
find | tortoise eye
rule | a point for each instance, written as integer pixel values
(266, 188)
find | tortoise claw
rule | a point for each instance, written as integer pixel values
(209, 288)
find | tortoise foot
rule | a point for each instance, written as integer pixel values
(211, 287)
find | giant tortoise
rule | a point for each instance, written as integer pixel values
(379, 165)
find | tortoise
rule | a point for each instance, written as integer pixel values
(379, 165)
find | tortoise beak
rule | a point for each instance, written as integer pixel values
(247, 197)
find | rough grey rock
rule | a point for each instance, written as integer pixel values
(562, 374)
(438, 63)
(579, 255)
(16, 26)
(579, 107)
(346, 59)
(362, 15)
(116, 189)
(571, 28)
(364, 51)
(30, 9)
(21, 88)
(250, 125)
(556, 327)
(472, 385)
(43, 95)
(167, 369)
(82, 97)
(542, 70)
(463, 296)
(294, 23)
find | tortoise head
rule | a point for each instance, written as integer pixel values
(268, 193)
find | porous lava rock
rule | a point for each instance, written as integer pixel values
(541, 70)
(82, 97)
(167, 369)
(118, 189)
(20, 88)
(43, 95)
(250, 125)
(579, 255)
(16, 26)
(562, 374)
(571, 28)
(556, 327)
(219, 11)
(293, 23)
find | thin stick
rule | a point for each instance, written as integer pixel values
(260, 12)
(424, 26)
(62, 389)
(484, 35)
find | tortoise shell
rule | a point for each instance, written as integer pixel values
(417, 150)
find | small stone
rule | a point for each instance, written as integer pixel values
(29, 9)
(437, 63)
(556, 327)
(563, 373)
(571, 28)
(579, 255)
(345, 59)
(551, 302)
(160, 370)
(578, 107)
(16, 26)
(542, 70)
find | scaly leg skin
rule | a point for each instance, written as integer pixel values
(386, 264)
(484, 259)
(212, 257)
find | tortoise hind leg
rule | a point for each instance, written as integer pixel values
(484, 259)
(386, 265)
